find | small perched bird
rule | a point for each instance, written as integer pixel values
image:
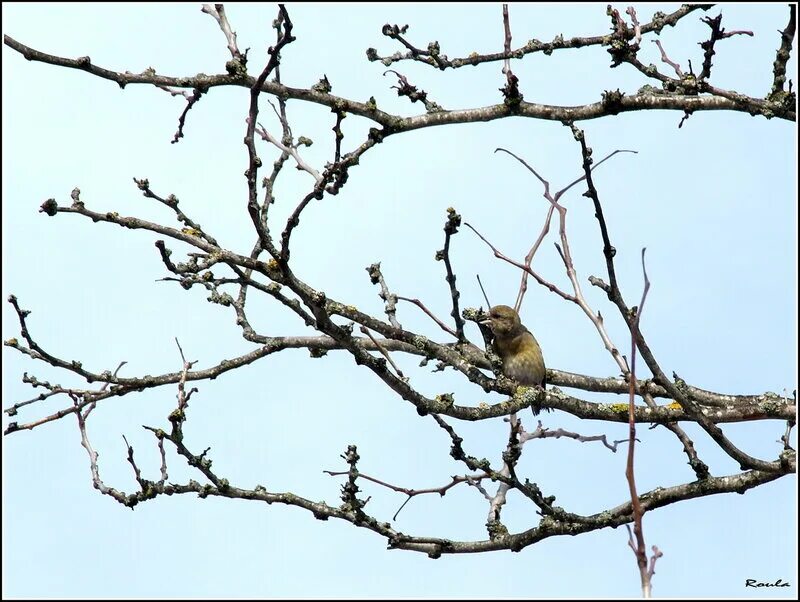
(517, 347)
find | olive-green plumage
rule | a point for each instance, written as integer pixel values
(516, 346)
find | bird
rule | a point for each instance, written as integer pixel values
(517, 348)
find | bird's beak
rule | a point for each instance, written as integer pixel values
(485, 321)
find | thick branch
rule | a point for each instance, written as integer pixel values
(395, 124)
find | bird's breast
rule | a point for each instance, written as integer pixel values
(522, 359)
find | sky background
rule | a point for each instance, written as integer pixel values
(714, 203)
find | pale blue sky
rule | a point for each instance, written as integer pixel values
(714, 203)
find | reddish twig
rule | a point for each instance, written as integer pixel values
(676, 389)
(637, 28)
(553, 199)
(522, 267)
(665, 59)
(430, 314)
(639, 547)
(510, 91)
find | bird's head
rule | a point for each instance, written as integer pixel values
(502, 321)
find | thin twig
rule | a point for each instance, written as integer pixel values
(440, 61)
(292, 150)
(786, 437)
(639, 549)
(218, 12)
(137, 473)
(637, 28)
(384, 353)
(676, 389)
(523, 267)
(485, 296)
(553, 199)
(665, 59)
(717, 33)
(455, 480)
(283, 25)
(389, 298)
(196, 95)
(430, 314)
(450, 228)
(700, 468)
(544, 433)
